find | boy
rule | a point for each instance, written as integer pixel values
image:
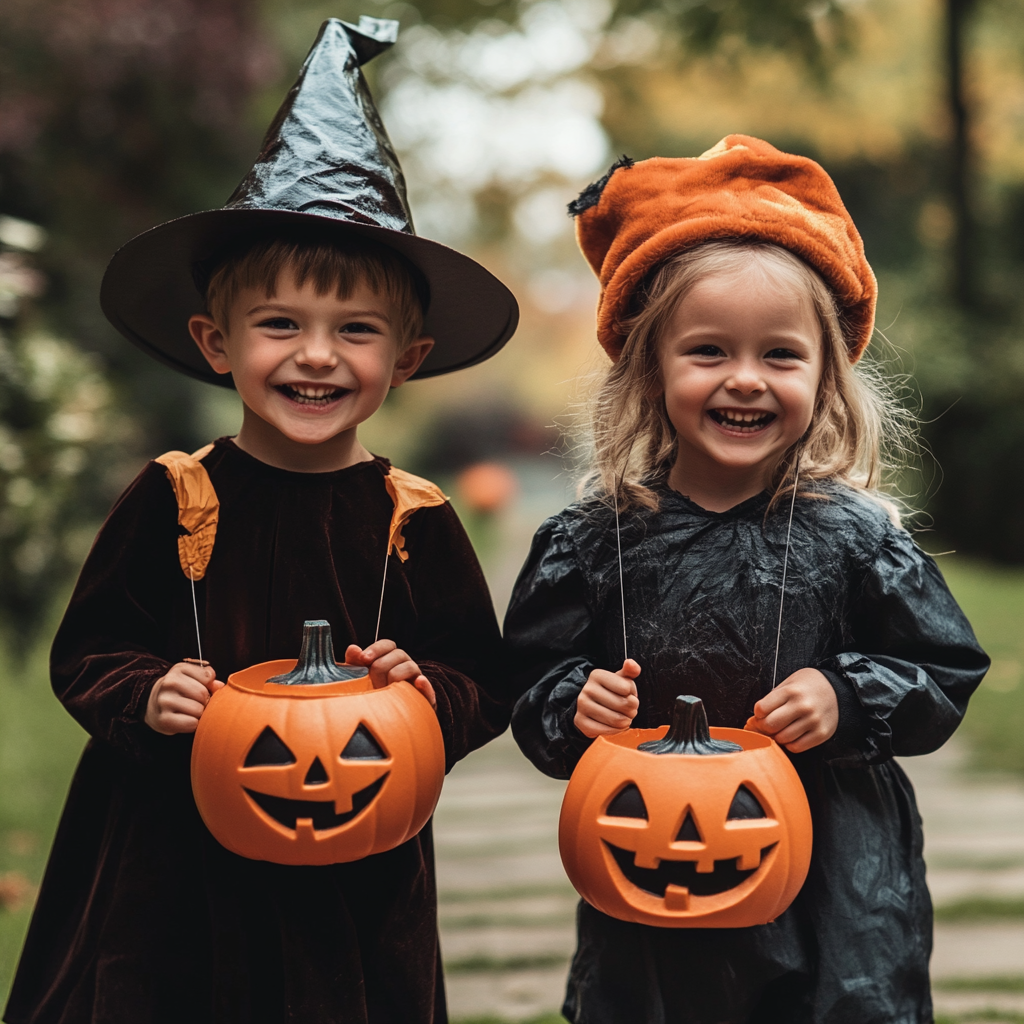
(316, 298)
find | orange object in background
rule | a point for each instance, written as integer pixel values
(487, 486)
(315, 772)
(718, 836)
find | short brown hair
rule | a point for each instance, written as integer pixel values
(338, 262)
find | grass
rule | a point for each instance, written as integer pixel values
(989, 983)
(993, 599)
(978, 1016)
(482, 964)
(981, 908)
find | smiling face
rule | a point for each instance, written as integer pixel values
(740, 360)
(308, 367)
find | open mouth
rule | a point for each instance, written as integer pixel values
(743, 422)
(683, 873)
(315, 395)
(320, 812)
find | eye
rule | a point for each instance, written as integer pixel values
(706, 352)
(269, 748)
(359, 327)
(782, 353)
(363, 747)
(278, 323)
(688, 831)
(628, 803)
(745, 805)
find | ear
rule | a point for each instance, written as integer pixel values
(410, 360)
(210, 340)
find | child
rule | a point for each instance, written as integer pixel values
(317, 298)
(735, 300)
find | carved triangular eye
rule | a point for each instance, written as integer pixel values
(745, 805)
(363, 747)
(688, 831)
(628, 803)
(269, 748)
(317, 774)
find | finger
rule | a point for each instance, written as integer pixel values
(216, 685)
(187, 688)
(353, 655)
(173, 724)
(610, 717)
(795, 730)
(811, 738)
(592, 728)
(406, 672)
(177, 703)
(770, 701)
(613, 682)
(598, 695)
(378, 650)
(630, 669)
(423, 684)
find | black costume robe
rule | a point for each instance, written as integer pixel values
(866, 607)
(142, 917)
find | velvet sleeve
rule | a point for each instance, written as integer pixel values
(457, 642)
(913, 660)
(107, 653)
(549, 633)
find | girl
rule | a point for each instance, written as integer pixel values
(736, 300)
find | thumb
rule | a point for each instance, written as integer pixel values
(353, 655)
(630, 669)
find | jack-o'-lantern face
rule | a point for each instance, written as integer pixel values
(272, 764)
(296, 771)
(697, 830)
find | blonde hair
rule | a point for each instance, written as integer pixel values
(338, 263)
(857, 423)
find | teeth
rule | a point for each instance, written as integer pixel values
(742, 420)
(311, 392)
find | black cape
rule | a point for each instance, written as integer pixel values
(142, 917)
(865, 606)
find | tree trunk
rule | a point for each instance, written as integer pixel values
(964, 242)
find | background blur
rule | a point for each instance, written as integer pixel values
(118, 114)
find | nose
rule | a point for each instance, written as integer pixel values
(317, 350)
(746, 378)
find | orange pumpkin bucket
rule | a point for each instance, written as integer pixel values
(686, 827)
(304, 762)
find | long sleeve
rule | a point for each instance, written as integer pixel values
(549, 632)
(105, 657)
(457, 643)
(913, 660)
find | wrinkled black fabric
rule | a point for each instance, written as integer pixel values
(865, 606)
(143, 918)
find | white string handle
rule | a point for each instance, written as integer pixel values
(195, 613)
(622, 588)
(785, 568)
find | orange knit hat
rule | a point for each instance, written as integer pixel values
(640, 214)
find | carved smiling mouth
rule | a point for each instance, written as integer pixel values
(683, 873)
(320, 812)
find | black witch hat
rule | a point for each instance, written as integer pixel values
(326, 164)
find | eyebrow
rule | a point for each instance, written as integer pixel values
(288, 310)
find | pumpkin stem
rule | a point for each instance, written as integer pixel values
(316, 659)
(688, 733)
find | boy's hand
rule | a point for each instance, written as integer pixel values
(800, 713)
(608, 702)
(388, 663)
(180, 697)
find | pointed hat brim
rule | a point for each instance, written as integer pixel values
(148, 291)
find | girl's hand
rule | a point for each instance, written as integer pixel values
(388, 663)
(180, 697)
(608, 702)
(800, 713)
